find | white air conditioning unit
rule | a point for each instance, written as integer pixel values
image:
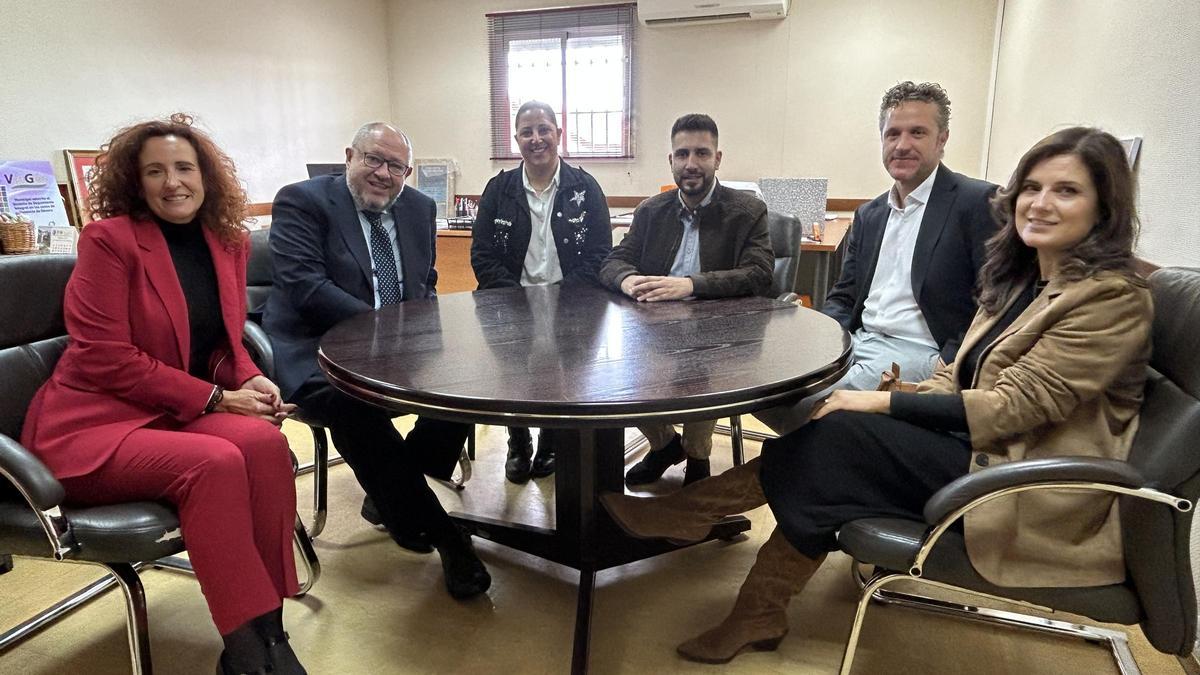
(685, 12)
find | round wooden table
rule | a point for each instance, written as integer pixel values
(586, 358)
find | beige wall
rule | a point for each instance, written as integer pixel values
(796, 97)
(278, 84)
(1129, 66)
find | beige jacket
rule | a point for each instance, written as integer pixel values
(1065, 379)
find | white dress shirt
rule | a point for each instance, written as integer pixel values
(541, 257)
(891, 308)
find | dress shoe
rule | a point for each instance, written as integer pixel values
(656, 462)
(759, 617)
(543, 461)
(465, 574)
(416, 542)
(697, 469)
(520, 450)
(687, 515)
(371, 514)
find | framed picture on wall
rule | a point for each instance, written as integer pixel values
(1132, 145)
(80, 165)
(435, 178)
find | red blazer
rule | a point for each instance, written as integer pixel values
(126, 362)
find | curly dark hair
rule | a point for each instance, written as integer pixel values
(1011, 265)
(116, 186)
(926, 92)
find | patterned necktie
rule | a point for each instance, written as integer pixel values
(387, 279)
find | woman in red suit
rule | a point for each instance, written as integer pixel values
(155, 397)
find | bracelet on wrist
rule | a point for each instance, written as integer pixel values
(218, 393)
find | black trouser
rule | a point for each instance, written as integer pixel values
(518, 435)
(390, 468)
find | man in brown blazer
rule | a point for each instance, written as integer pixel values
(702, 240)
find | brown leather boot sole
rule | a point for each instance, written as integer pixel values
(693, 650)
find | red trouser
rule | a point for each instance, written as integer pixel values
(230, 478)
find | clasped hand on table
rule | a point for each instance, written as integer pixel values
(653, 289)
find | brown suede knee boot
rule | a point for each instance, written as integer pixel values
(688, 515)
(759, 617)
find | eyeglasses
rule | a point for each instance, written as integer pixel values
(375, 161)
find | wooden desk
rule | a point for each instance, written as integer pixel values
(454, 262)
(829, 257)
(587, 359)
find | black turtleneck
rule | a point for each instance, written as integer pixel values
(198, 279)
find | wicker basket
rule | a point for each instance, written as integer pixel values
(16, 235)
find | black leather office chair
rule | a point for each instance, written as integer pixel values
(34, 521)
(258, 275)
(1156, 490)
(259, 279)
(786, 235)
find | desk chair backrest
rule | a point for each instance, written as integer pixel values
(786, 234)
(258, 275)
(32, 333)
(1167, 452)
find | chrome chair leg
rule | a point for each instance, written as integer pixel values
(464, 468)
(135, 616)
(319, 468)
(735, 437)
(864, 601)
(16, 634)
(308, 558)
(1116, 641)
(320, 480)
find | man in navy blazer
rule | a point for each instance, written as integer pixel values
(906, 289)
(342, 245)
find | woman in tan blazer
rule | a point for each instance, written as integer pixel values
(1053, 364)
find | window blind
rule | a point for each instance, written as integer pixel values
(577, 59)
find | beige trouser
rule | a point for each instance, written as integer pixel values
(697, 437)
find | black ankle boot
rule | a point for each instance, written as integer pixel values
(543, 461)
(282, 659)
(245, 652)
(520, 451)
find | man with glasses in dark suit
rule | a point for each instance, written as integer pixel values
(341, 245)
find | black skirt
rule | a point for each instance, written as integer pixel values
(852, 465)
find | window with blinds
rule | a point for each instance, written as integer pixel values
(577, 59)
